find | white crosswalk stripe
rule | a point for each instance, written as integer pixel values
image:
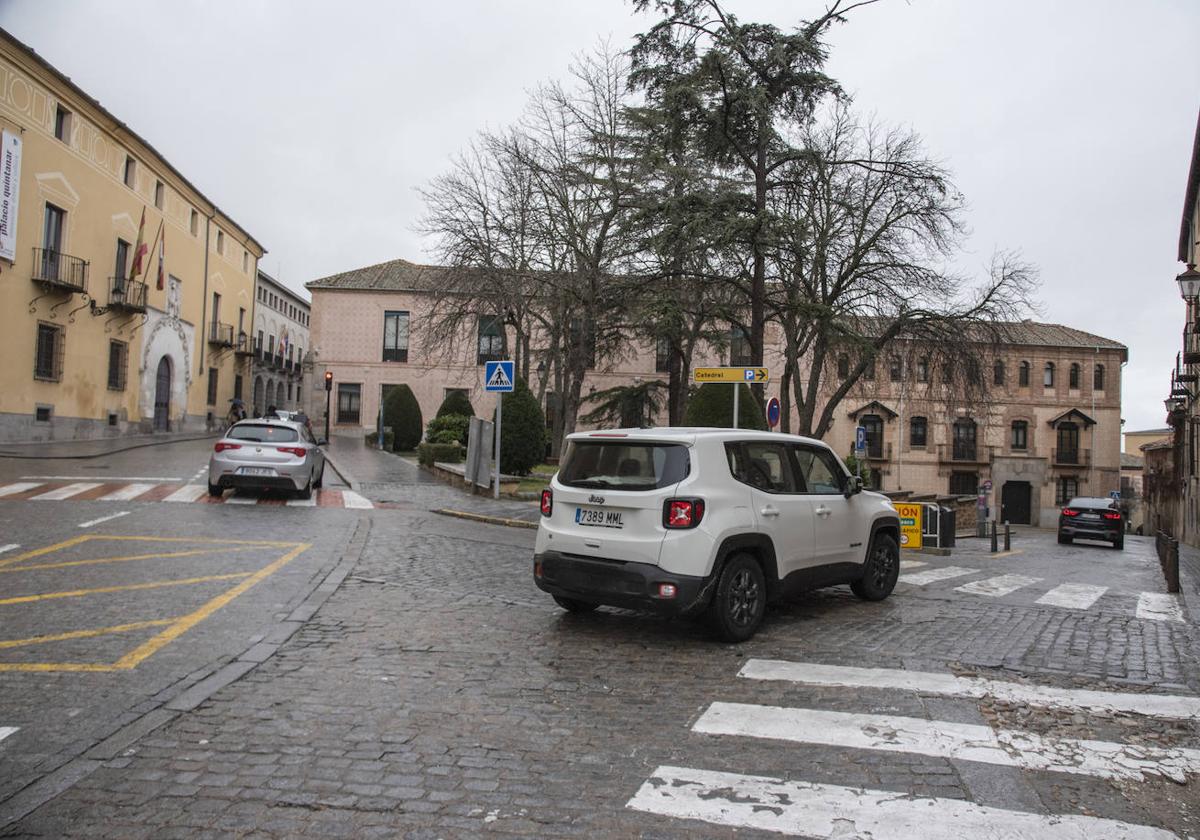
(19, 487)
(67, 492)
(354, 500)
(912, 564)
(995, 587)
(241, 500)
(127, 493)
(9, 547)
(1075, 596)
(829, 811)
(5, 731)
(945, 739)
(187, 493)
(811, 673)
(311, 501)
(937, 574)
(1159, 606)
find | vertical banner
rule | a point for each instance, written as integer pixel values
(910, 523)
(10, 191)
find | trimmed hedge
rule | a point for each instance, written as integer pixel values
(712, 405)
(372, 439)
(456, 402)
(402, 414)
(448, 428)
(429, 453)
(523, 431)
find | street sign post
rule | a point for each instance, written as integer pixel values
(773, 412)
(734, 376)
(498, 378)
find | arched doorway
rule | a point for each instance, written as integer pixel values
(258, 397)
(162, 396)
(279, 392)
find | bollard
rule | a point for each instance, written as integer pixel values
(1172, 566)
(993, 536)
(1007, 537)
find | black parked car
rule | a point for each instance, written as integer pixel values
(1092, 519)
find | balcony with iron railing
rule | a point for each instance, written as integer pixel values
(59, 271)
(277, 361)
(1191, 344)
(962, 452)
(129, 295)
(1067, 457)
(220, 335)
(242, 348)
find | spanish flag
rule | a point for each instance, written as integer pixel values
(139, 250)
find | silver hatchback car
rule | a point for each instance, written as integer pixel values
(266, 454)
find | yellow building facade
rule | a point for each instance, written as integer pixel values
(89, 347)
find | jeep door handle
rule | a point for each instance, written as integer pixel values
(823, 511)
(770, 510)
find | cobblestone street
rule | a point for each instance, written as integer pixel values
(437, 693)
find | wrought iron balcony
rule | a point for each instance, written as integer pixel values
(220, 335)
(277, 361)
(126, 294)
(1191, 344)
(60, 271)
(243, 344)
(961, 452)
(1071, 457)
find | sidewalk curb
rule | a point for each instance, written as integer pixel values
(189, 692)
(144, 445)
(489, 520)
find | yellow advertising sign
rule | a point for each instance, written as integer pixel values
(910, 524)
(749, 375)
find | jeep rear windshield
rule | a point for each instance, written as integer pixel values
(620, 465)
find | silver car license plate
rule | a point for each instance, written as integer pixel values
(256, 471)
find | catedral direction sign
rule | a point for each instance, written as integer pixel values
(731, 374)
(910, 524)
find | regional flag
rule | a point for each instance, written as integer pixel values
(139, 250)
(162, 252)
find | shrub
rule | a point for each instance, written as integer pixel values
(522, 432)
(448, 428)
(402, 414)
(429, 453)
(712, 405)
(372, 439)
(456, 402)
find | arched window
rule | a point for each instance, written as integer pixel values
(1023, 375)
(843, 366)
(998, 373)
(1073, 381)
(918, 430)
(1048, 375)
(1020, 435)
(1098, 378)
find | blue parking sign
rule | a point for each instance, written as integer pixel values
(860, 438)
(498, 376)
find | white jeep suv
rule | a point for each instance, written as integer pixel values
(682, 521)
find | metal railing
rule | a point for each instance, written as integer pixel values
(220, 334)
(1071, 457)
(964, 453)
(243, 344)
(127, 294)
(277, 361)
(1191, 344)
(60, 270)
(879, 452)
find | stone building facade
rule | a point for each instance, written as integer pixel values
(280, 341)
(91, 347)
(1048, 429)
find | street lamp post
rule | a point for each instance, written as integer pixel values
(328, 391)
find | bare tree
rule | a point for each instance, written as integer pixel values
(864, 225)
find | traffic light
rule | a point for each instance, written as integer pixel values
(328, 380)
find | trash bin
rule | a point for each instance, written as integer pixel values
(947, 517)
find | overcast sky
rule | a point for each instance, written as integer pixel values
(1068, 124)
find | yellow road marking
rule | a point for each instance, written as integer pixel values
(54, 666)
(201, 540)
(83, 634)
(184, 624)
(38, 552)
(157, 584)
(66, 563)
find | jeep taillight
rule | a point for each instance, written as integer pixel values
(547, 502)
(682, 513)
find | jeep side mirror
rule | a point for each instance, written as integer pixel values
(854, 485)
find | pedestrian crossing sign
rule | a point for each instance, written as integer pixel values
(498, 376)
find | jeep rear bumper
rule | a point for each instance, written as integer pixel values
(634, 586)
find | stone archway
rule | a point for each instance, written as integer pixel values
(162, 395)
(257, 403)
(280, 402)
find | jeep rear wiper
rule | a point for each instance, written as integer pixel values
(591, 482)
